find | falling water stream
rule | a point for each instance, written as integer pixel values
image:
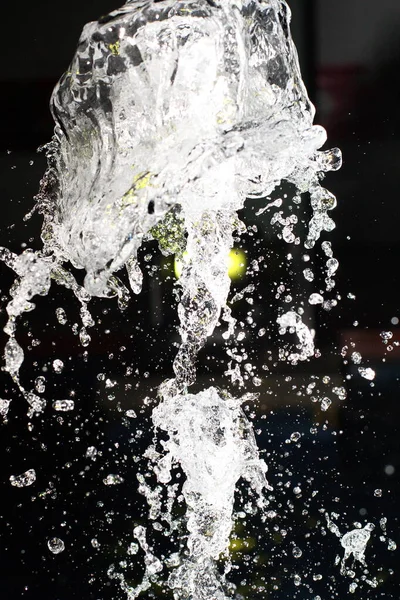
(172, 115)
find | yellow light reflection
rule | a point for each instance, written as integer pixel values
(237, 264)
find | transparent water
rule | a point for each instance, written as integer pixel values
(171, 117)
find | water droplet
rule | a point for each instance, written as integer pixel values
(367, 373)
(378, 493)
(37, 404)
(297, 580)
(63, 405)
(14, 357)
(297, 553)
(84, 337)
(315, 299)
(133, 548)
(56, 545)
(295, 436)
(390, 470)
(356, 358)
(332, 266)
(4, 407)
(95, 543)
(40, 384)
(113, 480)
(386, 336)
(325, 403)
(58, 365)
(24, 480)
(308, 274)
(131, 414)
(91, 452)
(61, 316)
(392, 546)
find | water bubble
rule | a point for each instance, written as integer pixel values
(58, 365)
(56, 545)
(24, 480)
(367, 373)
(63, 405)
(113, 480)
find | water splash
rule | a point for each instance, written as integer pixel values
(213, 442)
(171, 115)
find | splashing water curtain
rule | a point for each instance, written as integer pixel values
(171, 115)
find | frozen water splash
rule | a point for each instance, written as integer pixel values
(354, 544)
(171, 114)
(212, 441)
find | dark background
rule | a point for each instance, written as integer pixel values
(350, 56)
